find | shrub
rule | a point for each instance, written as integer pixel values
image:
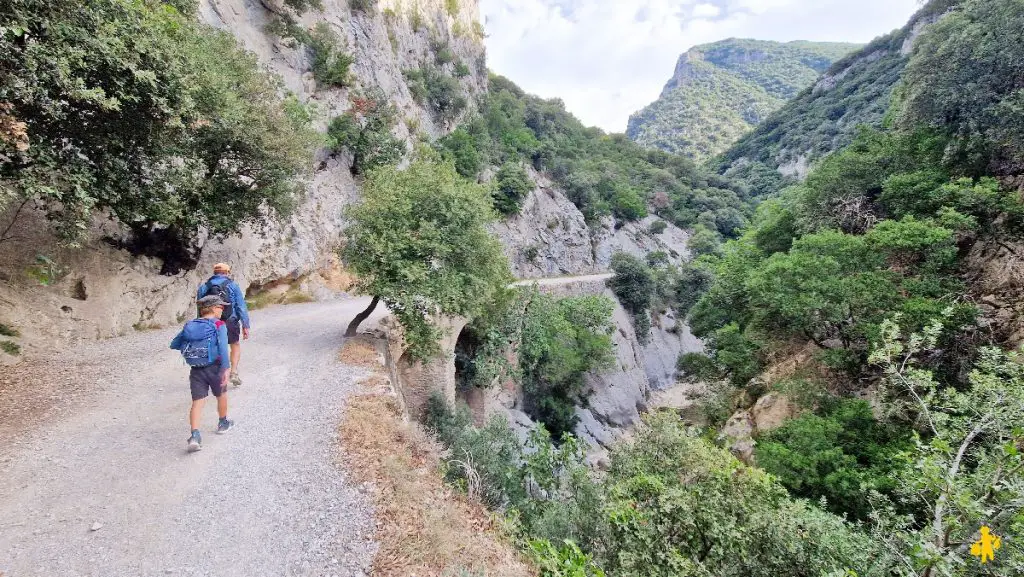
(461, 70)
(365, 6)
(511, 185)
(330, 62)
(680, 506)
(452, 6)
(561, 341)
(432, 88)
(10, 347)
(365, 130)
(658, 227)
(698, 366)
(634, 285)
(8, 331)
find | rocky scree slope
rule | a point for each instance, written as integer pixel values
(99, 291)
(719, 91)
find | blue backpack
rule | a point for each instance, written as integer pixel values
(199, 345)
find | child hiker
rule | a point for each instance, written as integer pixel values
(203, 343)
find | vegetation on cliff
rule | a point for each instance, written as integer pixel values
(722, 90)
(136, 110)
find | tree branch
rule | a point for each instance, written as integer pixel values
(954, 469)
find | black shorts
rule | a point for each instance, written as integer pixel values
(205, 380)
(234, 330)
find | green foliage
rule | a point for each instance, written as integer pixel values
(462, 148)
(10, 347)
(731, 87)
(966, 79)
(697, 366)
(8, 331)
(658, 227)
(840, 455)
(561, 341)
(452, 6)
(703, 241)
(432, 88)
(365, 6)
(365, 130)
(601, 174)
(461, 70)
(330, 61)
(418, 241)
(511, 185)
(132, 109)
(634, 285)
(565, 561)
(967, 469)
(680, 506)
(818, 122)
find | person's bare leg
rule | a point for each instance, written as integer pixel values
(236, 356)
(222, 405)
(196, 413)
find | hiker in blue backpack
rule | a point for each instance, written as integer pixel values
(203, 343)
(236, 314)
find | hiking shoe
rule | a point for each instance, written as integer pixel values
(224, 425)
(195, 442)
(236, 381)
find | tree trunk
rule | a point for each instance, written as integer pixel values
(359, 318)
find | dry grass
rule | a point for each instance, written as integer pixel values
(360, 352)
(424, 528)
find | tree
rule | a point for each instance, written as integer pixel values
(418, 242)
(968, 467)
(634, 285)
(365, 130)
(134, 108)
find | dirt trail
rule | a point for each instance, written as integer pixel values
(266, 499)
(95, 480)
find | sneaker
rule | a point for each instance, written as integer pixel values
(195, 442)
(224, 425)
(236, 380)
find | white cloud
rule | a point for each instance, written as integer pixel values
(609, 58)
(706, 11)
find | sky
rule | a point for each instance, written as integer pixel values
(609, 58)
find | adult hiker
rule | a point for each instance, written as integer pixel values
(203, 343)
(236, 314)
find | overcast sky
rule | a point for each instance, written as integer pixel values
(608, 58)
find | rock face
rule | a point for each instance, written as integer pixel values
(550, 237)
(99, 291)
(720, 91)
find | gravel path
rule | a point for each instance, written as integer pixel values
(103, 486)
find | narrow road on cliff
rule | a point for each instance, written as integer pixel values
(95, 480)
(105, 488)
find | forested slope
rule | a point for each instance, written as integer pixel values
(720, 91)
(824, 117)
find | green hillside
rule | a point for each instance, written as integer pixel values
(854, 91)
(720, 91)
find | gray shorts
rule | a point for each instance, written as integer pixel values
(205, 380)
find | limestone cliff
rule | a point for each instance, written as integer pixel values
(100, 291)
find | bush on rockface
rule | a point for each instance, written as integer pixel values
(365, 130)
(511, 185)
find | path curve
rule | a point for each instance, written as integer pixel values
(267, 499)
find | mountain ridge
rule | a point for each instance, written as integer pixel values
(719, 91)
